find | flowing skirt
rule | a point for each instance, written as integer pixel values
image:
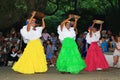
(69, 59)
(95, 58)
(32, 60)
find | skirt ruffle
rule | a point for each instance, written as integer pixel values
(69, 59)
(32, 60)
(95, 58)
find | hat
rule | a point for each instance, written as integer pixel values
(104, 31)
(85, 32)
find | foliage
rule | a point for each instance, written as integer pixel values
(14, 11)
(53, 21)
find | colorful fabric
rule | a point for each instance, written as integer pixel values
(95, 58)
(32, 60)
(69, 59)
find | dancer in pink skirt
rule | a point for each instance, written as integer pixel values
(95, 59)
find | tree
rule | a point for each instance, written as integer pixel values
(15, 11)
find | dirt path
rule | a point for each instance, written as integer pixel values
(6, 73)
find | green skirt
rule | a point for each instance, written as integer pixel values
(69, 59)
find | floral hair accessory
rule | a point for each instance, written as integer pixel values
(90, 28)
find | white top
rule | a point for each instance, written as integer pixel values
(45, 36)
(66, 32)
(118, 45)
(117, 50)
(95, 37)
(15, 54)
(32, 34)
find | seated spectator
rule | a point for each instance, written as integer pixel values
(116, 54)
(79, 42)
(53, 39)
(109, 33)
(112, 44)
(45, 35)
(14, 55)
(104, 45)
(104, 33)
(1, 56)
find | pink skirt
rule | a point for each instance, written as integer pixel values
(95, 58)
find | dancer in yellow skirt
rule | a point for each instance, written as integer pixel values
(33, 59)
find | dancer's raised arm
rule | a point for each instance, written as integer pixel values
(66, 20)
(30, 20)
(43, 23)
(101, 27)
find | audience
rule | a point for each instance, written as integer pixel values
(12, 42)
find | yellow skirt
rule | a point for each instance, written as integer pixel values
(32, 60)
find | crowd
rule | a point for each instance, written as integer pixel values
(12, 42)
(32, 49)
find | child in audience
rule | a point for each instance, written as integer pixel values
(116, 53)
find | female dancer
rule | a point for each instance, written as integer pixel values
(33, 58)
(95, 59)
(69, 59)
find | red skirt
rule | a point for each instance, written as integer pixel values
(95, 58)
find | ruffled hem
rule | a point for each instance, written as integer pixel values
(32, 60)
(95, 58)
(69, 59)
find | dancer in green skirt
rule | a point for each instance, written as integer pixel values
(69, 59)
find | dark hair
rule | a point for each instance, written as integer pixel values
(96, 26)
(12, 47)
(117, 38)
(66, 23)
(72, 19)
(49, 41)
(103, 37)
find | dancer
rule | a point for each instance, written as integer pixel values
(95, 59)
(33, 59)
(116, 53)
(69, 59)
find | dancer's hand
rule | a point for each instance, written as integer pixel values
(43, 18)
(33, 13)
(19, 51)
(76, 17)
(94, 21)
(70, 16)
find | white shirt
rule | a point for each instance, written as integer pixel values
(66, 32)
(45, 36)
(88, 39)
(32, 34)
(118, 45)
(95, 37)
(15, 54)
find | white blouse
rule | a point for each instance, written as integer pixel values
(32, 34)
(95, 37)
(66, 33)
(118, 45)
